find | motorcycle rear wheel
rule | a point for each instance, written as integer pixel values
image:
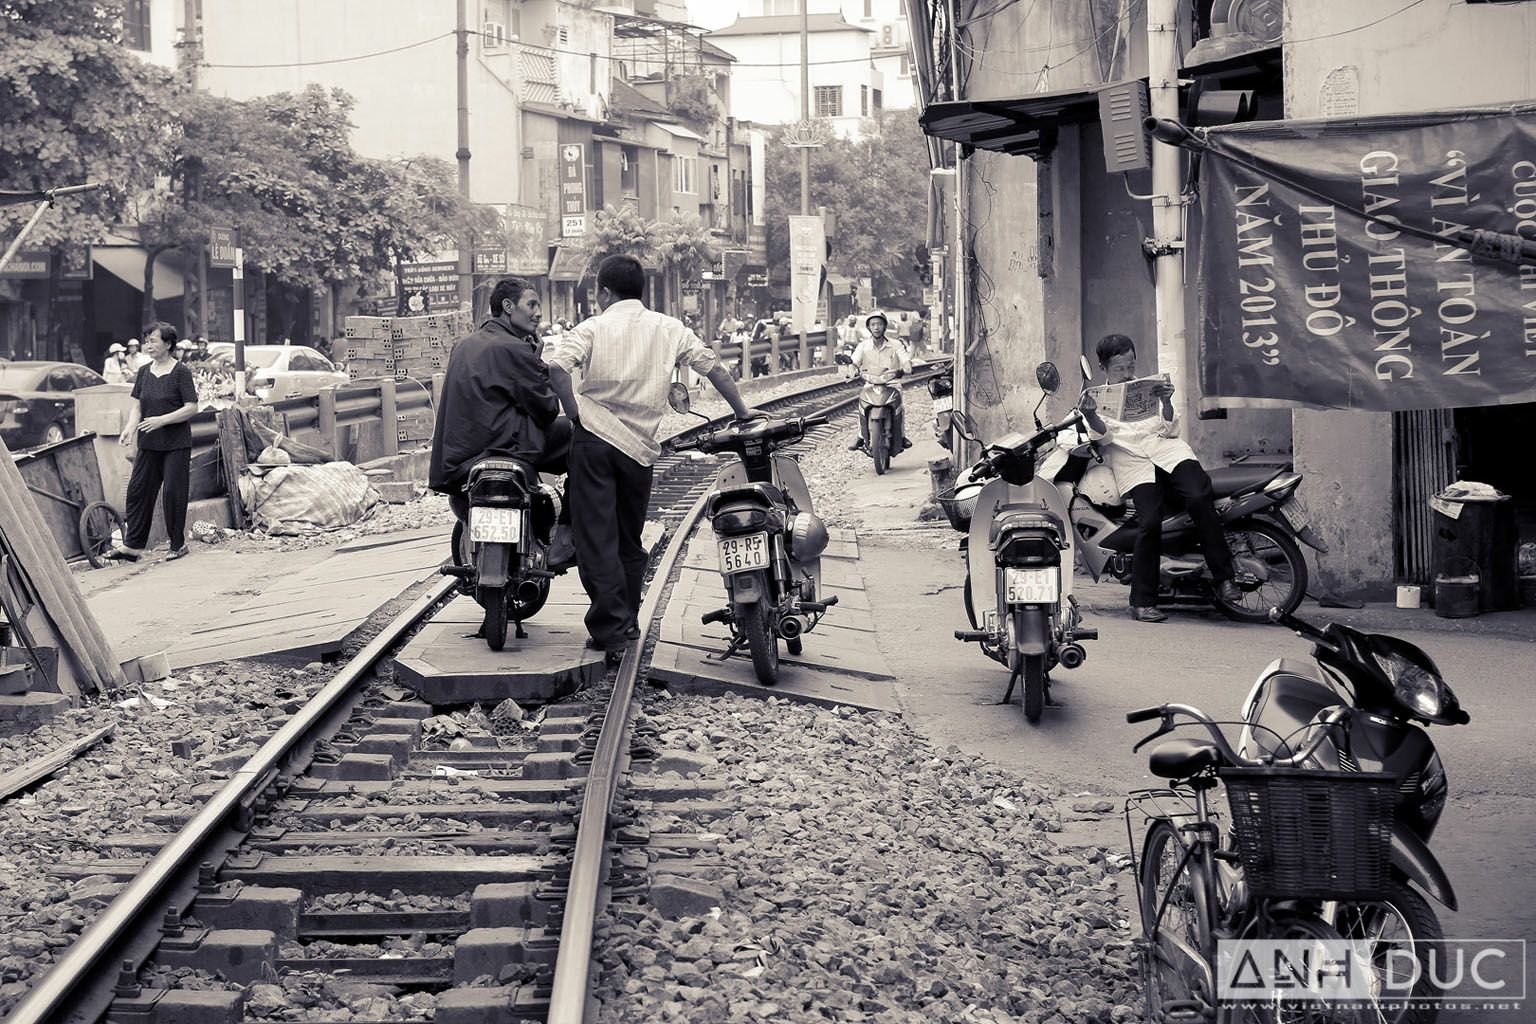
(1034, 687)
(762, 641)
(494, 601)
(1283, 584)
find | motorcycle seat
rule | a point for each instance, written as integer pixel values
(1022, 517)
(1183, 758)
(501, 464)
(1228, 481)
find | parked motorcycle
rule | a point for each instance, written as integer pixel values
(502, 556)
(1386, 686)
(1261, 515)
(941, 387)
(768, 537)
(879, 404)
(1019, 558)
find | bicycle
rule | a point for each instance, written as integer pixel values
(1298, 837)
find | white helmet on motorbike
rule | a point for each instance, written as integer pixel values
(1098, 486)
(884, 321)
(807, 536)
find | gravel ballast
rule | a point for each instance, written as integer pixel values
(868, 876)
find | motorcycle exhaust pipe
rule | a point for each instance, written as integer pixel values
(790, 627)
(527, 591)
(1071, 656)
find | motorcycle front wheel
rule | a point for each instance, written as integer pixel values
(762, 641)
(1271, 572)
(879, 449)
(1396, 923)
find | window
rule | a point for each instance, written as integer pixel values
(683, 170)
(301, 362)
(877, 103)
(771, 7)
(829, 101)
(136, 24)
(863, 101)
(629, 172)
(906, 67)
(869, 8)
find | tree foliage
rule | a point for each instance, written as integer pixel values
(878, 188)
(618, 231)
(685, 245)
(75, 106)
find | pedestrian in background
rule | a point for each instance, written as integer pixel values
(115, 370)
(158, 438)
(627, 355)
(136, 358)
(917, 334)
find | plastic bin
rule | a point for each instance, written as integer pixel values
(1483, 535)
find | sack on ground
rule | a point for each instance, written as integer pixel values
(291, 500)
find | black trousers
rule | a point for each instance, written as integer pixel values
(169, 473)
(1191, 482)
(609, 493)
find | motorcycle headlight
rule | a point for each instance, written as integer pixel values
(1415, 687)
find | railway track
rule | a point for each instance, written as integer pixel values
(361, 847)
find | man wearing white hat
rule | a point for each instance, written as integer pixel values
(117, 370)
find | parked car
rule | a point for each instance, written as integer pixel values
(37, 401)
(276, 371)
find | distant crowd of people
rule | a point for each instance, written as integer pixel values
(125, 360)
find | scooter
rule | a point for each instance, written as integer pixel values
(502, 556)
(1260, 513)
(941, 387)
(1384, 686)
(879, 404)
(1019, 557)
(768, 538)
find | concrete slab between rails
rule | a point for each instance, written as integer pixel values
(417, 875)
(447, 664)
(689, 670)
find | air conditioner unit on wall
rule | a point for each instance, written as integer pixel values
(888, 35)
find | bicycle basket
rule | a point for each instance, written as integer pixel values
(1309, 834)
(958, 510)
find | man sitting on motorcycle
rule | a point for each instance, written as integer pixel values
(496, 401)
(1147, 457)
(876, 356)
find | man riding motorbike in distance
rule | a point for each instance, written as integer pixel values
(877, 355)
(497, 401)
(1147, 457)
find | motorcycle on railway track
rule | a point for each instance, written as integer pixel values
(502, 556)
(768, 538)
(1019, 549)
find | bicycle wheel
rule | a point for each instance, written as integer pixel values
(1389, 925)
(1294, 928)
(1170, 922)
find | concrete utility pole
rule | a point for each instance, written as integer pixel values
(192, 39)
(1167, 203)
(805, 152)
(466, 241)
(962, 202)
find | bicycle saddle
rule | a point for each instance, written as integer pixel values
(1182, 758)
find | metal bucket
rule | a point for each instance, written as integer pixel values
(1456, 596)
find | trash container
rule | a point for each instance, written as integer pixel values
(1479, 531)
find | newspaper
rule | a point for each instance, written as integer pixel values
(1131, 400)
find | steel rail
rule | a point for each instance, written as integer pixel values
(571, 986)
(59, 991)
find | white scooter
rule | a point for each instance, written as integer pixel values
(1019, 559)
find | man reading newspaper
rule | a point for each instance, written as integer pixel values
(1138, 433)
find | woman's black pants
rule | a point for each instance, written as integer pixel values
(153, 471)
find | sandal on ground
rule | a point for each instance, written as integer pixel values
(181, 552)
(119, 555)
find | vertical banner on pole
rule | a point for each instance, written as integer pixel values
(807, 255)
(759, 164)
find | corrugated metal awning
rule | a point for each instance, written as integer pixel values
(126, 262)
(1022, 125)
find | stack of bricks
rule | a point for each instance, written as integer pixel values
(409, 349)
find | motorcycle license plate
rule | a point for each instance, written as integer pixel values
(743, 554)
(944, 403)
(1032, 586)
(495, 525)
(1295, 513)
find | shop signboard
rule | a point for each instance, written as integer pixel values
(28, 263)
(222, 243)
(573, 190)
(431, 286)
(1377, 263)
(75, 263)
(527, 244)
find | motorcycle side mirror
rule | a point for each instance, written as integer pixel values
(843, 359)
(1048, 377)
(1087, 368)
(678, 397)
(965, 426)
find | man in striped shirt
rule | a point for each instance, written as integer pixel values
(627, 356)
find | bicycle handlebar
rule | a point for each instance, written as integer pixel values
(1167, 712)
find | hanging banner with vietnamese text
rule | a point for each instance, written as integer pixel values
(1304, 301)
(807, 255)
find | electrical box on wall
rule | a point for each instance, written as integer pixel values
(1122, 109)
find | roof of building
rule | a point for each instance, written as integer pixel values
(787, 24)
(631, 100)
